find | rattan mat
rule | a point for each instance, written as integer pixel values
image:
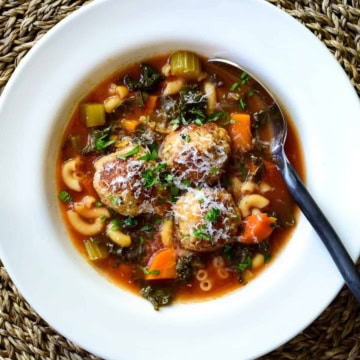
(24, 335)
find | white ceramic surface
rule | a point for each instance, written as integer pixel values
(35, 247)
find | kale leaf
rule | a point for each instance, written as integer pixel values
(148, 81)
(158, 296)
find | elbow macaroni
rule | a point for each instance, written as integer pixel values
(249, 202)
(84, 227)
(118, 237)
(70, 174)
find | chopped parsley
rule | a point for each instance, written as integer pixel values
(244, 171)
(201, 233)
(186, 138)
(186, 182)
(103, 142)
(115, 224)
(247, 264)
(234, 86)
(244, 78)
(151, 176)
(212, 215)
(148, 272)
(219, 115)
(64, 196)
(152, 155)
(146, 228)
(130, 222)
(133, 151)
(98, 204)
(242, 104)
(214, 170)
(251, 93)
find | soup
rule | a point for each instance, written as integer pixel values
(165, 180)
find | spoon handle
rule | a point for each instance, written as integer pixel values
(322, 226)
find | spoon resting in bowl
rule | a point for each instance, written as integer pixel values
(299, 192)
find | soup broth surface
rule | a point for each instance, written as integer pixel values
(165, 181)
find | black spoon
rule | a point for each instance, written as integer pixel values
(301, 195)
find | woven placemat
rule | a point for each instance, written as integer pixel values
(24, 335)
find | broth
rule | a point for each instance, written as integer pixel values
(159, 191)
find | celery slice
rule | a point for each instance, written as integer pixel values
(94, 250)
(185, 63)
(93, 114)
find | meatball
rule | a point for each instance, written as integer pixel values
(196, 153)
(119, 182)
(206, 219)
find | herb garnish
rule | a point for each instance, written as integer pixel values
(244, 77)
(115, 224)
(64, 196)
(148, 272)
(247, 264)
(201, 233)
(146, 228)
(130, 222)
(242, 104)
(212, 215)
(152, 155)
(133, 151)
(103, 142)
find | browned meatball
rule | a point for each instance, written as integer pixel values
(119, 183)
(196, 153)
(206, 219)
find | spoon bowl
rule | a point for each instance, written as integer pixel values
(297, 189)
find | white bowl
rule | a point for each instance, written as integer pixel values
(35, 247)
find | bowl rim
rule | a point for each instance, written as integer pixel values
(180, 317)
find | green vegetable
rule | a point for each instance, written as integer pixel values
(98, 204)
(133, 151)
(94, 250)
(146, 228)
(103, 142)
(244, 77)
(98, 140)
(212, 215)
(152, 155)
(148, 81)
(148, 272)
(247, 264)
(214, 170)
(151, 176)
(115, 224)
(93, 114)
(186, 64)
(186, 138)
(186, 182)
(219, 115)
(201, 233)
(158, 296)
(64, 196)
(130, 222)
(234, 86)
(150, 179)
(242, 104)
(186, 267)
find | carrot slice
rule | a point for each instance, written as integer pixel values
(257, 228)
(239, 130)
(162, 265)
(130, 125)
(151, 103)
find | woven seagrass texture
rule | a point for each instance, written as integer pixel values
(24, 335)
